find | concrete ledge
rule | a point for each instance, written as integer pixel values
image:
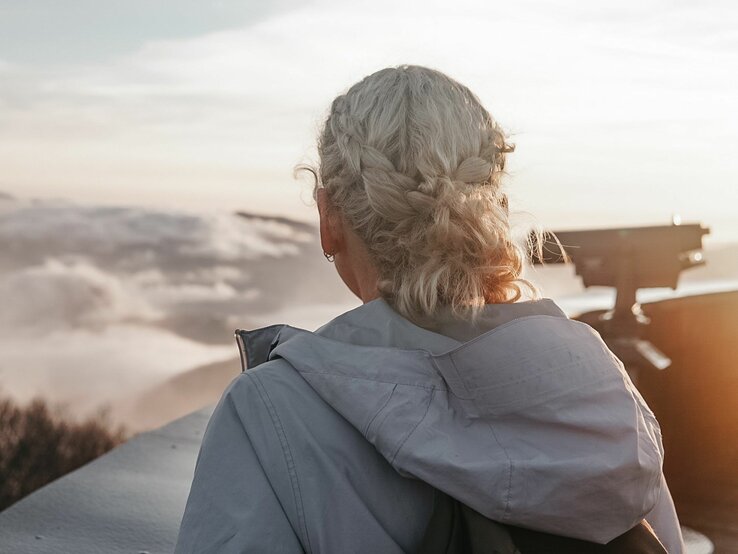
(129, 500)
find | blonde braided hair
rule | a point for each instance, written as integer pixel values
(413, 162)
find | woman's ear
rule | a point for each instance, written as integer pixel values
(331, 232)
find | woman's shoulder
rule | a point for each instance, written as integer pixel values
(273, 390)
(274, 399)
(318, 463)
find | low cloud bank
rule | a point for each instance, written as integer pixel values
(103, 303)
(135, 308)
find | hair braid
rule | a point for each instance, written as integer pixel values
(413, 161)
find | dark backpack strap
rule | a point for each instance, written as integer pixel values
(639, 540)
(457, 529)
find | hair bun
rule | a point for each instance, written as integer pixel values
(413, 162)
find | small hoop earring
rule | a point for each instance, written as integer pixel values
(329, 257)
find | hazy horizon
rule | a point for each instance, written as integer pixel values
(106, 305)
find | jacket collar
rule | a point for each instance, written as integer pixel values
(377, 324)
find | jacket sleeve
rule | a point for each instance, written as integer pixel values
(232, 506)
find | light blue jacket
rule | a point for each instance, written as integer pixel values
(333, 440)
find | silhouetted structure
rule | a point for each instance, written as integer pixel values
(628, 259)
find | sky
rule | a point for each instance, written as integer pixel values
(623, 113)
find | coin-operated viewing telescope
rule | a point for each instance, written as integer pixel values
(628, 259)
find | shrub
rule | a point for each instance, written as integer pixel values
(38, 445)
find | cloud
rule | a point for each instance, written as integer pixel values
(131, 238)
(58, 294)
(89, 369)
(101, 303)
(67, 266)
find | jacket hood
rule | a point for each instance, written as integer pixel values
(534, 422)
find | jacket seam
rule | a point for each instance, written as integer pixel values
(531, 358)
(384, 405)
(427, 409)
(535, 399)
(287, 453)
(234, 407)
(506, 514)
(604, 373)
(388, 382)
